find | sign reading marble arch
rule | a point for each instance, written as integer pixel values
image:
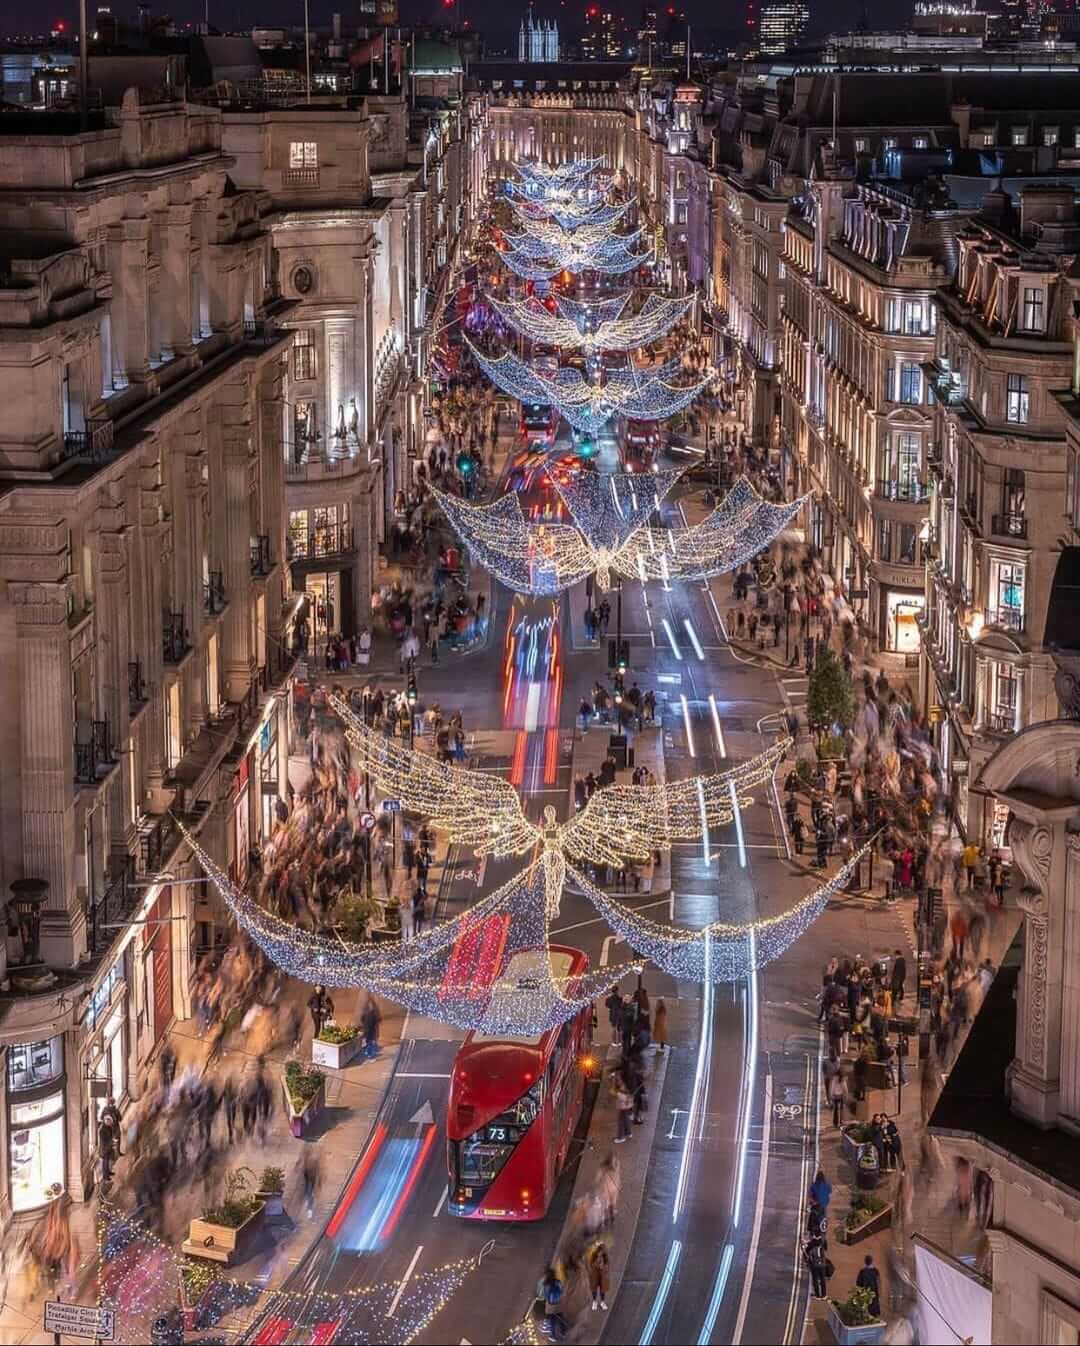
(79, 1320)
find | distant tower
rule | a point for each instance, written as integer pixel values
(538, 39)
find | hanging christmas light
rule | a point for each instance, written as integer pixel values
(735, 950)
(487, 970)
(586, 313)
(606, 259)
(571, 215)
(545, 176)
(533, 320)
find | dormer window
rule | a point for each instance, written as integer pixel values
(1033, 309)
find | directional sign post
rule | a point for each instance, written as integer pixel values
(79, 1320)
(392, 805)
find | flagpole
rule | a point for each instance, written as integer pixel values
(307, 50)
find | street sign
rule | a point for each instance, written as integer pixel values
(367, 821)
(392, 805)
(79, 1320)
(859, 593)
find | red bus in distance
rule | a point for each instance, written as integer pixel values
(515, 1104)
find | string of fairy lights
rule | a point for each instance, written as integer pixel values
(140, 1278)
(529, 317)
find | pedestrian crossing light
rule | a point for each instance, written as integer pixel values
(624, 656)
(464, 464)
(410, 692)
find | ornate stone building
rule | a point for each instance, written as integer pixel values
(142, 593)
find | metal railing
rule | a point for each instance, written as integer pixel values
(1002, 721)
(174, 638)
(156, 842)
(113, 908)
(300, 177)
(1009, 525)
(261, 561)
(916, 491)
(94, 442)
(333, 540)
(136, 686)
(1012, 619)
(91, 750)
(214, 592)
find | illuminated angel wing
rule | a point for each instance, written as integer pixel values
(738, 528)
(530, 558)
(476, 808)
(629, 822)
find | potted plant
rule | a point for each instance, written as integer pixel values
(353, 914)
(336, 1045)
(305, 1094)
(222, 1232)
(867, 1169)
(853, 1136)
(869, 1214)
(851, 1321)
(272, 1191)
(830, 697)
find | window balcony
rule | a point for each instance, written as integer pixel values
(321, 543)
(94, 442)
(92, 751)
(1002, 721)
(300, 177)
(158, 836)
(914, 491)
(214, 593)
(174, 638)
(1009, 525)
(1012, 619)
(114, 908)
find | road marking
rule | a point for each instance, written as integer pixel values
(676, 1113)
(423, 1116)
(716, 726)
(404, 1281)
(689, 731)
(693, 639)
(671, 638)
(422, 1075)
(605, 950)
(669, 902)
(442, 1202)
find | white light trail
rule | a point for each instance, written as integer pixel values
(693, 639)
(719, 1286)
(704, 820)
(689, 731)
(704, 1052)
(662, 1292)
(749, 1074)
(738, 827)
(671, 637)
(665, 574)
(641, 567)
(717, 729)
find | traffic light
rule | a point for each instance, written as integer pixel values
(464, 464)
(410, 691)
(619, 688)
(624, 656)
(618, 655)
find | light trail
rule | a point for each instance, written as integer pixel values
(750, 1073)
(689, 731)
(738, 826)
(719, 1286)
(693, 639)
(704, 1053)
(662, 1292)
(671, 638)
(717, 729)
(704, 821)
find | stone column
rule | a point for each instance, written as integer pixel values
(128, 255)
(272, 498)
(239, 653)
(47, 762)
(1038, 848)
(113, 602)
(154, 546)
(364, 353)
(176, 279)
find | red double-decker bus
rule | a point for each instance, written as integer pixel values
(515, 1104)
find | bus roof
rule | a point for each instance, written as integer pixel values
(524, 971)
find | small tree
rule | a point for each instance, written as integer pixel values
(830, 699)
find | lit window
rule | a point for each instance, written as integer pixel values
(304, 355)
(921, 142)
(913, 311)
(910, 383)
(861, 145)
(1050, 135)
(1033, 320)
(1005, 697)
(1019, 135)
(889, 142)
(1017, 399)
(303, 154)
(1007, 593)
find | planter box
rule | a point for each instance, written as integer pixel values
(876, 1076)
(219, 1242)
(300, 1120)
(849, 1147)
(273, 1204)
(853, 1336)
(876, 1223)
(336, 1055)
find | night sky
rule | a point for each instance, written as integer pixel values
(497, 19)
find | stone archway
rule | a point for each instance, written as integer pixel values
(1037, 776)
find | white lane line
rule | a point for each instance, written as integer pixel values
(442, 1202)
(689, 731)
(420, 1075)
(404, 1281)
(759, 1210)
(605, 948)
(602, 920)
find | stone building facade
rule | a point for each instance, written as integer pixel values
(143, 595)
